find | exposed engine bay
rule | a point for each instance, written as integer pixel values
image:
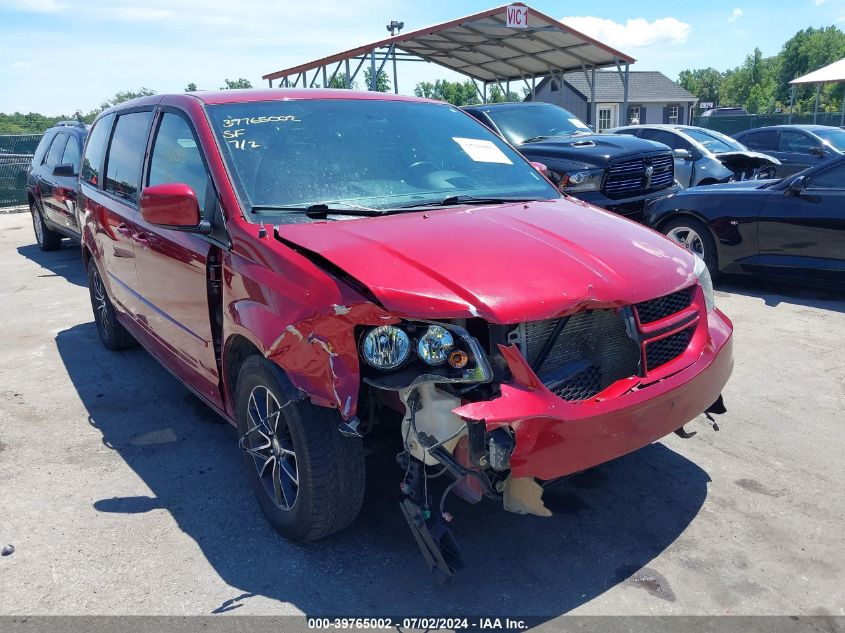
(749, 165)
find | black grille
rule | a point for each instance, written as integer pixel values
(656, 309)
(592, 352)
(662, 351)
(628, 178)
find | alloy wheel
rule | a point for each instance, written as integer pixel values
(270, 444)
(688, 238)
(101, 306)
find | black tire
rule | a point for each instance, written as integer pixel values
(329, 467)
(674, 229)
(47, 238)
(112, 333)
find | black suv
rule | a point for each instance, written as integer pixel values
(619, 173)
(51, 184)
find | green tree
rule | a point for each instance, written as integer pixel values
(382, 80)
(704, 83)
(455, 92)
(339, 81)
(191, 87)
(497, 95)
(235, 84)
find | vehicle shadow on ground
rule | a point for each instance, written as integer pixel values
(774, 293)
(610, 521)
(65, 262)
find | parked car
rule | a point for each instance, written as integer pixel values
(790, 229)
(318, 266)
(726, 111)
(705, 157)
(797, 147)
(620, 174)
(51, 184)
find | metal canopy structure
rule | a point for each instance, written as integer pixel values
(831, 74)
(497, 46)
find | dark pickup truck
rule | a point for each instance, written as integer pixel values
(620, 174)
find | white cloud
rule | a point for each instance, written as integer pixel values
(737, 14)
(635, 33)
(820, 2)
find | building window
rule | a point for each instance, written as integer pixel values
(634, 115)
(673, 114)
(604, 119)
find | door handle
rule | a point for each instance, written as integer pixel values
(141, 238)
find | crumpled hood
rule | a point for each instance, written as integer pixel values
(591, 150)
(746, 160)
(505, 263)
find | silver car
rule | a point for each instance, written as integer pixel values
(705, 157)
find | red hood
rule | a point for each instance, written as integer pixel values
(507, 264)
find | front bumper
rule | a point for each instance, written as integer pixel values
(632, 208)
(555, 438)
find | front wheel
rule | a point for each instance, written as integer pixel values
(307, 477)
(695, 237)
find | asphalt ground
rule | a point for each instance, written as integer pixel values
(123, 494)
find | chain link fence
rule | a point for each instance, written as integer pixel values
(730, 125)
(16, 152)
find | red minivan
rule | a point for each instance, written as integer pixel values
(320, 266)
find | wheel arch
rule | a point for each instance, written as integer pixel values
(235, 352)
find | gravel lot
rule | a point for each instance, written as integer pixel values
(123, 494)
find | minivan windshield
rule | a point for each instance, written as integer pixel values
(366, 155)
(524, 124)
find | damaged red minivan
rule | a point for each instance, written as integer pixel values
(324, 266)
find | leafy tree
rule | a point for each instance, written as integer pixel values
(704, 83)
(191, 87)
(455, 92)
(382, 80)
(498, 96)
(235, 84)
(339, 81)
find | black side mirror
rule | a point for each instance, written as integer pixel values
(817, 151)
(796, 187)
(64, 170)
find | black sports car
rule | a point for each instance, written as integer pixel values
(791, 228)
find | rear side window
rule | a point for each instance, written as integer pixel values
(126, 153)
(667, 138)
(41, 150)
(767, 139)
(95, 150)
(56, 150)
(176, 157)
(71, 155)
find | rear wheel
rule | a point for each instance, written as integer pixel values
(693, 236)
(112, 333)
(47, 238)
(307, 477)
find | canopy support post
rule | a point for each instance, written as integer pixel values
(395, 82)
(325, 78)
(842, 120)
(373, 83)
(484, 96)
(348, 78)
(791, 101)
(624, 78)
(816, 110)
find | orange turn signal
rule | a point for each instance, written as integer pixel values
(458, 359)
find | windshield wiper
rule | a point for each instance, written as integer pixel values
(319, 210)
(452, 201)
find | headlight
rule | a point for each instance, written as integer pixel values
(705, 282)
(589, 180)
(434, 346)
(385, 347)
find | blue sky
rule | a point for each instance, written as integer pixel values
(60, 55)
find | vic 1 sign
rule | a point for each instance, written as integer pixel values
(517, 16)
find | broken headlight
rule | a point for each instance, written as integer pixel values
(385, 347)
(435, 345)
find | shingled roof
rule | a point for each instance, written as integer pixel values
(643, 86)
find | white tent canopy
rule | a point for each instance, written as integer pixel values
(832, 73)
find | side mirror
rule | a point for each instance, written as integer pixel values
(683, 154)
(173, 206)
(64, 170)
(796, 187)
(541, 167)
(817, 151)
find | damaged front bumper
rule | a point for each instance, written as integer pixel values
(555, 438)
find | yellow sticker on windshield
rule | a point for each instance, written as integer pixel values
(482, 151)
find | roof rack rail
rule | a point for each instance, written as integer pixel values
(70, 124)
